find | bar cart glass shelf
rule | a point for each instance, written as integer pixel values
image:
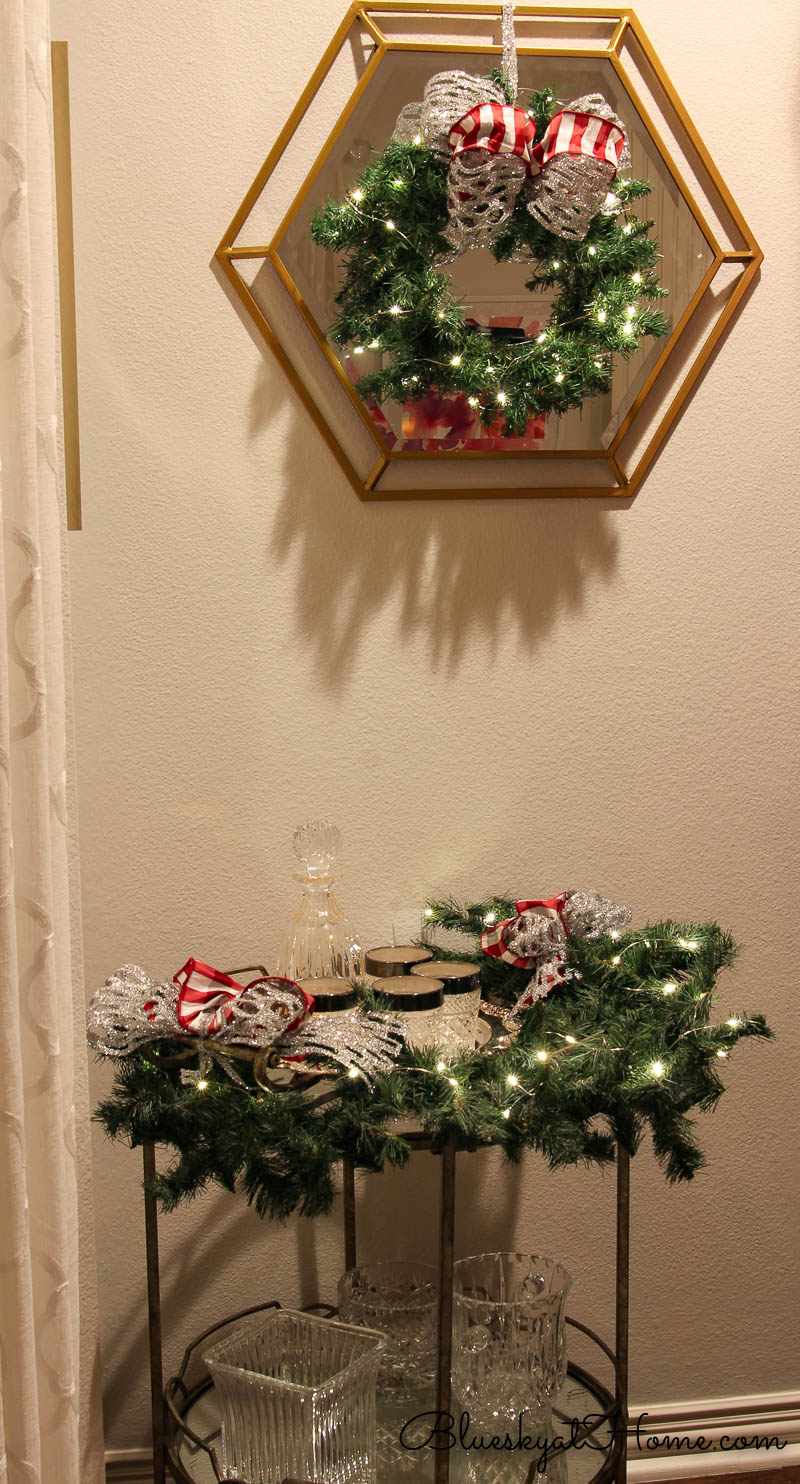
(194, 1449)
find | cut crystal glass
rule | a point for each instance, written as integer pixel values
(401, 1299)
(509, 1345)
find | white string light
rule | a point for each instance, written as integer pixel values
(657, 1068)
(201, 1085)
(542, 1056)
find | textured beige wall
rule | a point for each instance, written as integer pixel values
(253, 646)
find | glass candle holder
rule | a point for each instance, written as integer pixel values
(297, 1398)
(509, 1346)
(461, 983)
(401, 1300)
(419, 1001)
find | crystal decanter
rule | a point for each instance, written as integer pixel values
(318, 942)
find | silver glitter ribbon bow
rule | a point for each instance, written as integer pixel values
(536, 938)
(132, 1010)
(489, 143)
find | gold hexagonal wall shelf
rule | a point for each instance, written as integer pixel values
(380, 59)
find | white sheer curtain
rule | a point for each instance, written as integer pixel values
(49, 1418)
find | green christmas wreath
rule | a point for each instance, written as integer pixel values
(397, 300)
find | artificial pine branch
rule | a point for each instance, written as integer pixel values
(624, 1046)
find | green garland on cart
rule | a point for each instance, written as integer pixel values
(606, 1057)
(396, 300)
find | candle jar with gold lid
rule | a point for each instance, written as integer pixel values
(332, 995)
(461, 983)
(395, 958)
(419, 1001)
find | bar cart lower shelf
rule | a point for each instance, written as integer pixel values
(589, 1413)
(193, 1428)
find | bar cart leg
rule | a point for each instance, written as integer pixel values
(447, 1214)
(154, 1314)
(623, 1295)
(349, 1201)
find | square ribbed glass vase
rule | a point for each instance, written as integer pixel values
(297, 1398)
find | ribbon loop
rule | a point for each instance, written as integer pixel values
(579, 157)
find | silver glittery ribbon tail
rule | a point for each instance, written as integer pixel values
(131, 1009)
(366, 1042)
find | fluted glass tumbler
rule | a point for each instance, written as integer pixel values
(401, 1300)
(297, 1398)
(509, 1346)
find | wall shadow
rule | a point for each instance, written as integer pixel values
(463, 571)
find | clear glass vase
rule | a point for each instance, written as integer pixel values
(509, 1345)
(319, 942)
(297, 1398)
(401, 1300)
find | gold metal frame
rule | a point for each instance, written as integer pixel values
(626, 472)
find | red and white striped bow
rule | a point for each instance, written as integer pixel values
(536, 938)
(541, 923)
(207, 998)
(565, 176)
